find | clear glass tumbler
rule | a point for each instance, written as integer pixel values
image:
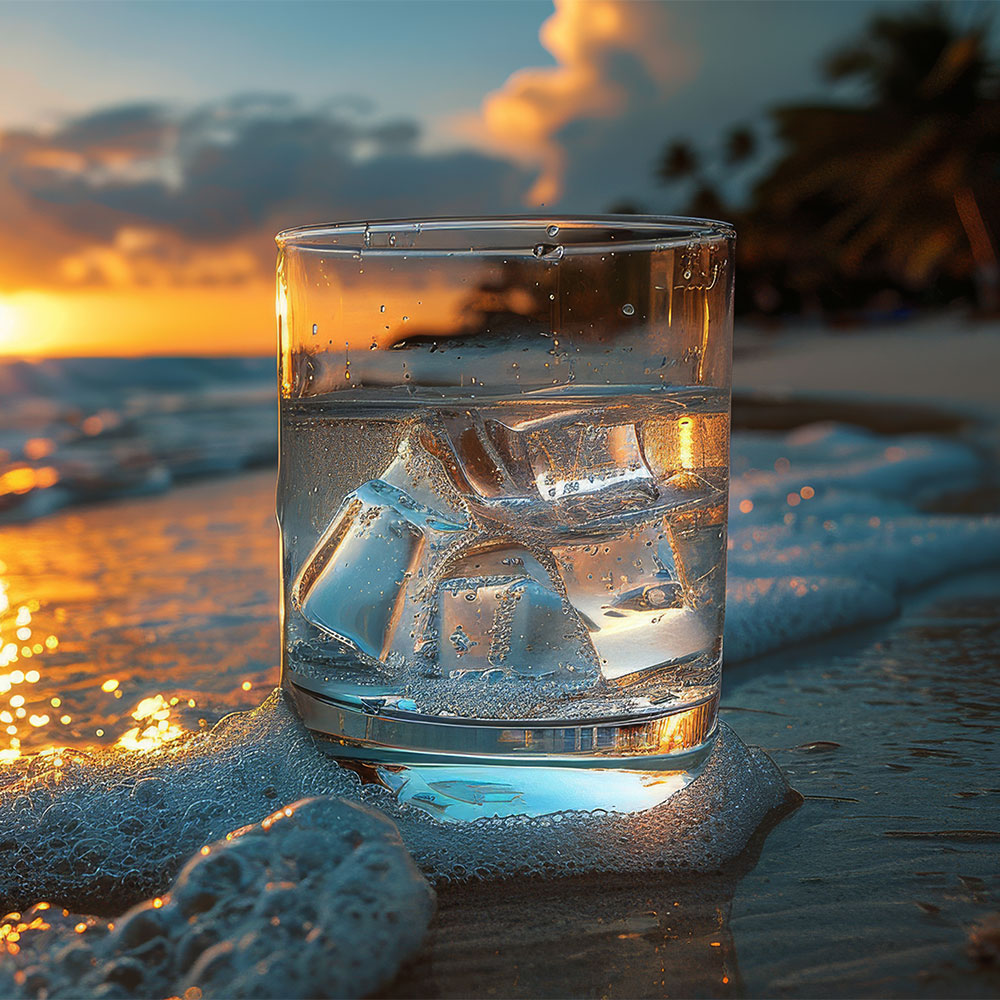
(503, 489)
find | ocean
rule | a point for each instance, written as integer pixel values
(76, 430)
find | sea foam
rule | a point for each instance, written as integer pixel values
(828, 526)
(320, 899)
(116, 826)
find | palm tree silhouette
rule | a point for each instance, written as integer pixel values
(682, 163)
(902, 186)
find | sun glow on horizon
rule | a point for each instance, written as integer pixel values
(137, 321)
(9, 322)
(32, 322)
(236, 319)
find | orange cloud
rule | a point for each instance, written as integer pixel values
(149, 230)
(144, 195)
(146, 257)
(606, 50)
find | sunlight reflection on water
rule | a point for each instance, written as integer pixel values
(31, 706)
(134, 623)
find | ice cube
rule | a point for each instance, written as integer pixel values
(503, 626)
(471, 566)
(537, 635)
(570, 454)
(584, 459)
(353, 585)
(569, 460)
(467, 610)
(502, 558)
(502, 594)
(473, 462)
(630, 593)
(414, 471)
(696, 541)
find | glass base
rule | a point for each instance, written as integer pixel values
(460, 771)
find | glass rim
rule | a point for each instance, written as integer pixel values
(644, 233)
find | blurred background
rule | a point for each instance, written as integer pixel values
(150, 151)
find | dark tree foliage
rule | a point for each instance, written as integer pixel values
(897, 191)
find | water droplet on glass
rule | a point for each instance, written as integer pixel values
(687, 274)
(392, 239)
(628, 309)
(552, 230)
(315, 329)
(548, 251)
(406, 319)
(381, 309)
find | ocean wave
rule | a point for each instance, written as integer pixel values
(829, 526)
(82, 429)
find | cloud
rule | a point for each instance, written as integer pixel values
(148, 194)
(130, 130)
(618, 63)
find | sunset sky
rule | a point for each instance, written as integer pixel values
(149, 151)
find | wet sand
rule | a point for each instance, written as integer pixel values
(171, 596)
(591, 936)
(871, 887)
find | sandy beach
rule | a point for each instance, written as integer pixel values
(477, 598)
(938, 360)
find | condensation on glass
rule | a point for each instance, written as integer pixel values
(503, 486)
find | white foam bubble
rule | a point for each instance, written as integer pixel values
(319, 899)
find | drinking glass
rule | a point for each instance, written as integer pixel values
(502, 497)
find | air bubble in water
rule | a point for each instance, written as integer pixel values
(548, 251)
(687, 274)
(628, 309)
(552, 230)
